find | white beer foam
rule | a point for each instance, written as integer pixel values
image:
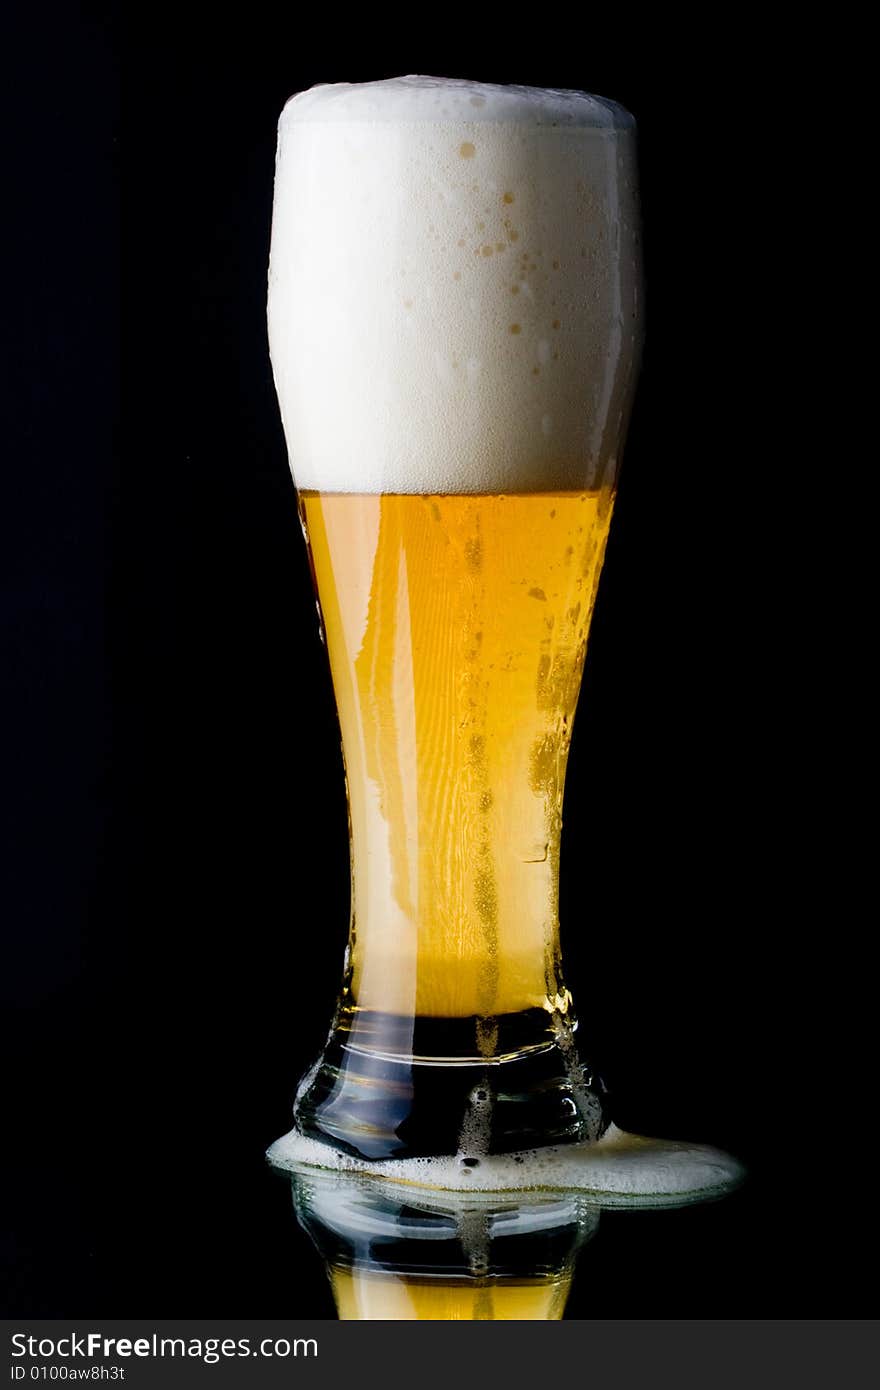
(619, 1169)
(453, 286)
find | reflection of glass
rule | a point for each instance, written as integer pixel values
(454, 330)
(399, 1253)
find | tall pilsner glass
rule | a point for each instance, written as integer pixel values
(454, 306)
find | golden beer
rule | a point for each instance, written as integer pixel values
(363, 1294)
(456, 628)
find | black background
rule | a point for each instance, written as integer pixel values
(175, 837)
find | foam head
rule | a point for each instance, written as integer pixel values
(453, 287)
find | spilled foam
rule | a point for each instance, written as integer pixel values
(453, 286)
(619, 1169)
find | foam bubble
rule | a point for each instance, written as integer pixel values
(619, 1169)
(430, 239)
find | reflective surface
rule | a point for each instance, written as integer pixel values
(394, 1252)
(397, 1253)
(222, 1239)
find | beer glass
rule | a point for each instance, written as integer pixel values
(454, 324)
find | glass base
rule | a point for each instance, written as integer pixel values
(388, 1087)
